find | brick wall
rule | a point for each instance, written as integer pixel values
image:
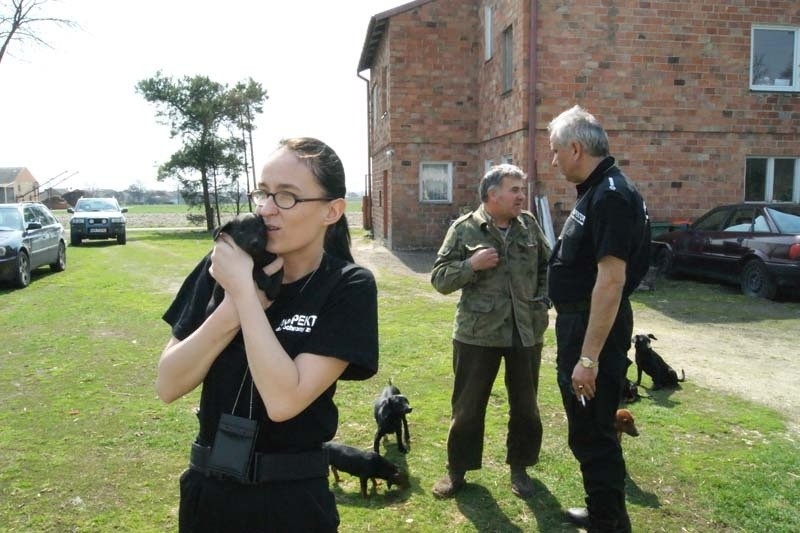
(669, 79)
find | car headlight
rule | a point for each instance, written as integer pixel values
(76, 221)
(117, 220)
(2, 251)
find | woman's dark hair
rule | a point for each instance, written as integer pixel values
(326, 166)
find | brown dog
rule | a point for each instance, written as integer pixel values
(625, 423)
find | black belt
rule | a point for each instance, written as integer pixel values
(269, 467)
(573, 307)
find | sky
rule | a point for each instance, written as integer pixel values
(70, 113)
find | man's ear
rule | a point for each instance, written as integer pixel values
(575, 149)
(336, 209)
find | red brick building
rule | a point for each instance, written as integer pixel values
(701, 101)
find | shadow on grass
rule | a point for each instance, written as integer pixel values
(547, 509)
(480, 508)
(634, 494)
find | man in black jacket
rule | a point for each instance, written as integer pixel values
(599, 259)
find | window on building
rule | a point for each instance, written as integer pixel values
(773, 58)
(487, 33)
(436, 182)
(772, 179)
(507, 159)
(487, 164)
(508, 59)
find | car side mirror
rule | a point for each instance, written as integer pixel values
(70, 210)
(34, 225)
(124, 209)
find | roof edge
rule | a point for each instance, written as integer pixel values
(375, 31)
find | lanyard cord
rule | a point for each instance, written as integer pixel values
(241, 386)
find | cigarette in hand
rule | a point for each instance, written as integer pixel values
(583, 400)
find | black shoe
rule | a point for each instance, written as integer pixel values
(449, 485)
(578, 516)
(521, 483)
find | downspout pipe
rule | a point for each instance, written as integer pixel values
(366, 209)
(532, 64)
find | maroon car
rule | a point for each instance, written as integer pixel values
(756, 245)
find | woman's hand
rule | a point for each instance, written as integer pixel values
(232, 268)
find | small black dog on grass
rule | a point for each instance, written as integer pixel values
(390, 410)
(364, 465)
(630, 391)
(250, 233)
(652, 364)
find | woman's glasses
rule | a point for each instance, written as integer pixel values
(282, 199)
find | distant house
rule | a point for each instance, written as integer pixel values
(701, 101)
(17, 184)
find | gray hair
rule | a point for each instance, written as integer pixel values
(577, 124)
(493, 177)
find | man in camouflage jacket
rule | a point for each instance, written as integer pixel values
(497, 255)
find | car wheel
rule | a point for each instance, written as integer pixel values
(665, 261)
(122, 238)
(23, 277)
(75, 240)
(61, 261)
(756, 281)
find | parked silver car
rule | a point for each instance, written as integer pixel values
(97, 218)
(30, 237)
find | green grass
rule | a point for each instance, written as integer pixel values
(86, 446)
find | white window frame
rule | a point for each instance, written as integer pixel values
(445, 165)
(767, 83)
(769, 185)
(488, 34)
(487, 164)
(507, 159)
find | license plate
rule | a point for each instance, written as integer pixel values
(97, 230)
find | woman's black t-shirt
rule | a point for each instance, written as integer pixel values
(331, 312)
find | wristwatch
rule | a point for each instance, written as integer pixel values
(587, 362)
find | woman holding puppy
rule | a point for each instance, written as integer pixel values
(269, 368)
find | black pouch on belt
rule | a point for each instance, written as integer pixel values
(232, 452)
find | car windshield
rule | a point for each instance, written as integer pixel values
(787, 218)
(9, 219)
(97, 205)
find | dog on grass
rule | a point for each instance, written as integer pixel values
(652, 364)
(625, 424)
(390, 411)
(249, 232)
(630, 391)
(364, 465)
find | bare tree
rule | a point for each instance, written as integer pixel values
(20, 20)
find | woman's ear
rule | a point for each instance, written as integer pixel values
(336, 209)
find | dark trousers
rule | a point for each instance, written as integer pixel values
(591, 434)
(209, 504)
(475, 369)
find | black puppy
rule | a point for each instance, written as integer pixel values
(630, 391)
(652, 364)
(364, 465)
(390, 410)
(249, 232)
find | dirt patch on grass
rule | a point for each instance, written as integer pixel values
(747, 348)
